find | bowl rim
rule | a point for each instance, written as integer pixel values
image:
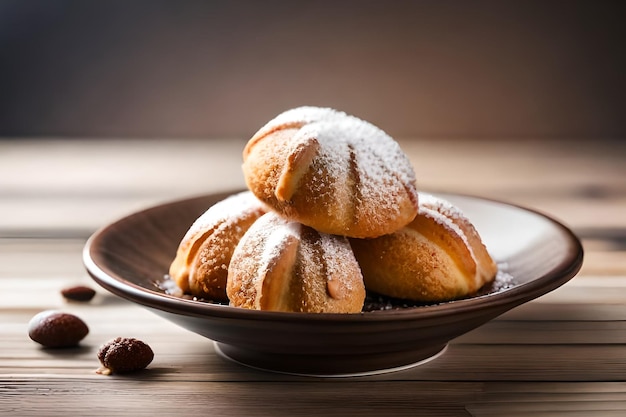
(566, 269)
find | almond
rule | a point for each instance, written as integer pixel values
(55, 329)
(123, 355)
(78, 293)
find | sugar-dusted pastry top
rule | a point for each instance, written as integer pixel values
(331, 171)
(201, 264)
(281, 265)
(453, 219)
(439, 256)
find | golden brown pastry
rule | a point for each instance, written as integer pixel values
(281, 265)
(201, 264)
(333, 172)
(439, 256)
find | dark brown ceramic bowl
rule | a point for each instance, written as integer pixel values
(536, 254)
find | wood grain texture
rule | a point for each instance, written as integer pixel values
(560, 355)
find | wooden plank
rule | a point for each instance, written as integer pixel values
(571, 399)
(500, 389)
(107, 395)
(549, 409)
(607, 263)
(117, 167)
(114, 395)
(535, 332)
(465, 362)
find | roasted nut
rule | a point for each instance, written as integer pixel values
(55, 329)
(78, 293)
(123, 355)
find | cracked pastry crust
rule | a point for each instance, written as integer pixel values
(333, 172)
(281, 265)
(439, 256)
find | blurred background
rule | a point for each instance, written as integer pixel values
(215, 68)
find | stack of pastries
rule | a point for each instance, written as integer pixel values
(332, 210)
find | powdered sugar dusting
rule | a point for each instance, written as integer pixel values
(231, 209)
(384, 171)
(262, 244)
(321, 268)
(268, 235)
(274, 232)
(443, 206)
(299, 116)
(337, 130)
(444, 213)
(339, 260)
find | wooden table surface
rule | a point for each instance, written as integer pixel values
(561, 354)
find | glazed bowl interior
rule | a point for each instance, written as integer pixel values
(535, 255)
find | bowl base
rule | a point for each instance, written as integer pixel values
(329, 366)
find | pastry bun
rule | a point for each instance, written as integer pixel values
(333, 172)
(200, 267)
(281, 265)
(439, 256)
